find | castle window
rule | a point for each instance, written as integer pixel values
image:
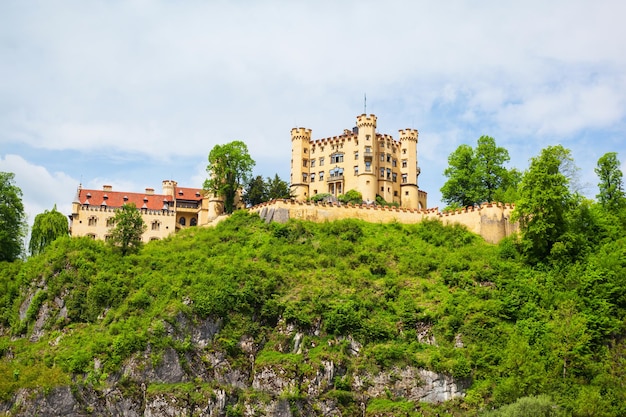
(404, 151)
(388, 173)
(406, 193)
(91, 235)
(382, 189)
(93, 221)
(382, 157)
(156, 225)
(394, 163)
(193, 222)
(336, 158)
(306, 150)
(305, 162)
(405, 163)
(368, 137)
(395, 193)
(313, 150)
(388, 157)
(111, 221)
(182, 221)
(321, 175)
(394, 176)
(304, 177)
(356, 156)
(312, 163)
(405, 178)
(154, 238)
(368, 166)
(322, 161)
(382, 173)
(356, 170)
(313, 177)
(382, 145)
(107, 238)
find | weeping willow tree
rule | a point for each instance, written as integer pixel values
(48, 227)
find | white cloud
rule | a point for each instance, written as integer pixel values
(41, 189)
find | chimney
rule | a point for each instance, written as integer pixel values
(107, 188)
(149, 191)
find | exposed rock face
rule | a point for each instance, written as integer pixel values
(200, 381)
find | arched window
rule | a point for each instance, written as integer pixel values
(93, 221)
(156, 225)
(91, 235)
(182, 221)
(193, 221)
(111, 221)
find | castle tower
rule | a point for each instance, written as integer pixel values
(300, 162)
(367, 180)
(169, 187)
(409, 169)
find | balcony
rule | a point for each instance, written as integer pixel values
(333, 178)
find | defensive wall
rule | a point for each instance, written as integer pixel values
(492, 221)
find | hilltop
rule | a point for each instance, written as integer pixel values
(338, 318)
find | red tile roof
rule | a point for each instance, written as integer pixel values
(183, 193)
(116, 199)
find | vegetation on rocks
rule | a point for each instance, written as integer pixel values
(277, 306)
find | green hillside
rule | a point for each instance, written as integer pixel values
(363, 299)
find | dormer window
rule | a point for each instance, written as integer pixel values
(125, 198)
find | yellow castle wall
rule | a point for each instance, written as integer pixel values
(491, 221)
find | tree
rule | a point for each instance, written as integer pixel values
(544, 201)
(351, 197)
(462, 186)
(48, 227)
(12, 219)
(611, 185)
(277, 189)
(230, 166)
(476, 176)
(127, 229)
(256, 191)
(492, 175)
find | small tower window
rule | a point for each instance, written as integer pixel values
(193, 222)
(182, 221)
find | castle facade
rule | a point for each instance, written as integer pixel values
(359, 159)
(93, 211)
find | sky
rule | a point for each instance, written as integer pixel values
(130, 93)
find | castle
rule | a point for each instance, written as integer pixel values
(360, 159)
(93, 211)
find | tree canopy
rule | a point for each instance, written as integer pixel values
(478, 175)
(544, 201)
(12, 218)
(230, 166)
(258, 190)
(48, 227)
(611, 184)
(127, 229)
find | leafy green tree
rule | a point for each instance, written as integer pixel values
(277, 189)
(462, 186)
(127, 229)
(544, 201)
(48, 227)
(478, 175)
(352, 197)
(490, 159)
(230, 166)
(255, 191)
(12, 218)
(611, 184)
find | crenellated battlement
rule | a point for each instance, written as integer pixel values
(301, 133)
(113, 210)
(366, 121)
(408, 134)
(489, 220)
